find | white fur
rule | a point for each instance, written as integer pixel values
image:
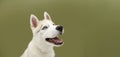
(38, 47)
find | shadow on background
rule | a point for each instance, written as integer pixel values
(92, 27)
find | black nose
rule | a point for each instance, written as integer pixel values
(59, 28)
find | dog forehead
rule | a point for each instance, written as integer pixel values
(44, 22)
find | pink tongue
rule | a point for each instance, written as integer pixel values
(57, 40)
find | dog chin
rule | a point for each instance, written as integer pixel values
(54, 45)
(58, 45)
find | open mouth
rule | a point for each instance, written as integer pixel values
(55, 40)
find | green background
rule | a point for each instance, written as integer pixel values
(92, 27)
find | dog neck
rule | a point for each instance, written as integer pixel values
(38, 48)
(40, 44)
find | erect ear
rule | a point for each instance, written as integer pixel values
(33, 21)
(47, 16)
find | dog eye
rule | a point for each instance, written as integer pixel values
(45, 27)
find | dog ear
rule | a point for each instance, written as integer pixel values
(47, 16)
(33, 21)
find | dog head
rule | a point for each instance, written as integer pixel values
(46, 31)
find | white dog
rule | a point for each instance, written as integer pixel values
(45, 37)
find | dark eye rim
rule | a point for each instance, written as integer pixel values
(44, 27)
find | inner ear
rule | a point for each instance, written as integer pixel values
(34, 21)
(47, 16)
